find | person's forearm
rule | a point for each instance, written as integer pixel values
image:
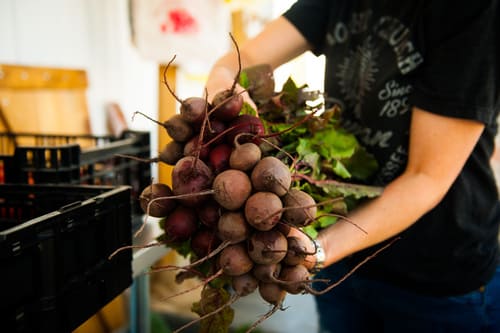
(278, 43)
(431, 170)
(380, 219)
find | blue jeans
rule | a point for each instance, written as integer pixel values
(359, 305)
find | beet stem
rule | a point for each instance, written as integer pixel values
(200, 144)
(149, 118)
(133, 247)
(166, 81)
(221, 134)
(139, 159)
(203, 283)
(237, 77)
(263, 138)
(343, 218)
(157, 269)
(218, 249)
(297, 124)
(335, 182)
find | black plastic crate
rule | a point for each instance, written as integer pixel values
(27, 158)
(55, 242)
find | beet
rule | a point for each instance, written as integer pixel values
(180, 225)
(209, 213)
(204, 241)
(226, 105)
(271, 174)
(300, 208)
(232, 227)
(272, 293)
(232, 188)
(172, 153)
(244, 284)
(267, 247)
(247, 124)
(296, 276)
(234, 260)
(194, 110)
(152, 205)
(196, 148)
(263, 210)
(267, 273)
(213, 132)
(190, 176)
(298, 250)
(245, 156)
(218, 157)
(178, 128)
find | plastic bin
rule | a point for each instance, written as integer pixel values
(27, 158)
(55, 241)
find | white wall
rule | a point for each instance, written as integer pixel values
(93, 35)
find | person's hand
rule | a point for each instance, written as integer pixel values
(310, 260)
(220, 79)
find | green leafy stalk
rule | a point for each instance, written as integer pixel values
(328, 161)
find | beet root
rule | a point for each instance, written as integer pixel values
(267, 247)
(226, 105)
(209, 213)
(172, 153)
(245, 156)
(204, 241)
(190, 176)
(244, 284)
(272, 293)
(154, 200)
(272, 175)
(246, 124)
(294, 278)
(234, 260)
(267, 273)
(178, 128)
(298, 251)
(232, 188)
(180, 225)
(233, 227)
(300, 208)
(263, 210)
(218, 157)
(194, 110)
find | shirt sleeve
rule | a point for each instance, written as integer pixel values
(460, 74)
(310, 17)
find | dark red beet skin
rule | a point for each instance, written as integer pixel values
(180, 225)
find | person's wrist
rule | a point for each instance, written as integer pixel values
(319, 256)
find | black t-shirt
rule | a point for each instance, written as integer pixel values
(383, 58)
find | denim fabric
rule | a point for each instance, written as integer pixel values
(359, 305)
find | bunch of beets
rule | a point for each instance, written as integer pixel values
(231, 204)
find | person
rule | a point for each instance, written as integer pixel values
(418, 83)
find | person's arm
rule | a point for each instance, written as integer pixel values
(278, 43)
(439, 147)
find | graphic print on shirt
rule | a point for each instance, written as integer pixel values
(368, 72)
(357, 74)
